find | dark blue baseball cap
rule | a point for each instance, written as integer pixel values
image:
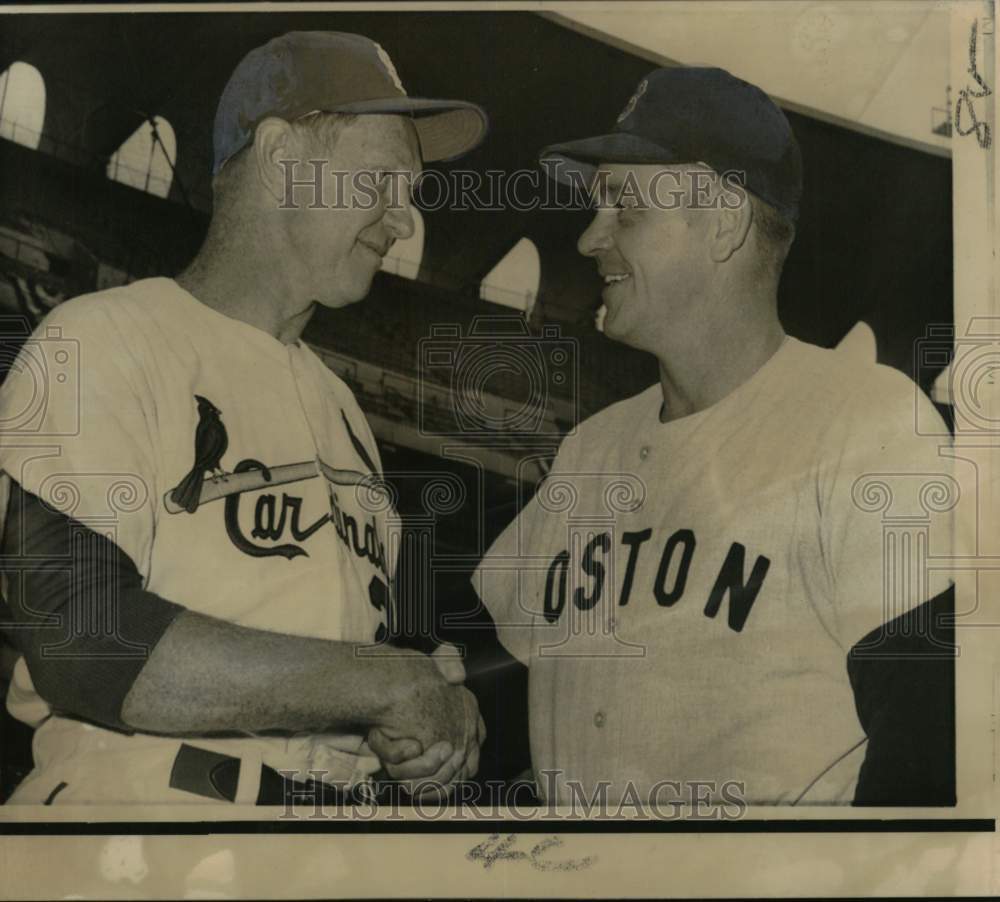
(304, 72)
(696, 115)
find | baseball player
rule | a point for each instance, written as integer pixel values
(199, 547)
(687, 584)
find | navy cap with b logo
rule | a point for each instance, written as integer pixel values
(697, 115)
(334, 72)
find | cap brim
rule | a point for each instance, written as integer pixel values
(574, 159)
(447, 129)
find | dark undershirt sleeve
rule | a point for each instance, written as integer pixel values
(77, 610)
(903, 676)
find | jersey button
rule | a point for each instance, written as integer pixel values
(644, 452)
(599, 719)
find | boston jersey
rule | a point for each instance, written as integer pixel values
(686, 593)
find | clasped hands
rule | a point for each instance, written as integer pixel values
(439, 747)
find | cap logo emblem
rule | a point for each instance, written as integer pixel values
(633, 100)
(390, 68)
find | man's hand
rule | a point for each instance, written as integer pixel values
(441, 765)
(444, 762)
(449, 661)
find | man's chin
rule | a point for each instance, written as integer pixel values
(346, 298)
(616, 332)
(608, 326)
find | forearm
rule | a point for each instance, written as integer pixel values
(199, 674)
(207, 675)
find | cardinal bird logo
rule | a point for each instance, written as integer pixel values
(210, 443)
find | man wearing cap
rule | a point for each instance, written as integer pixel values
(690, 582)
(198, 547)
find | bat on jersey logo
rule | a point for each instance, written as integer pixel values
(211, 442)
(223, 484)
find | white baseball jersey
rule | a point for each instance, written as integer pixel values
(686, 593)
(286, 536)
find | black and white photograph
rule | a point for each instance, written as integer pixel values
(498, 450)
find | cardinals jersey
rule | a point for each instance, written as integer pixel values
(235, 471)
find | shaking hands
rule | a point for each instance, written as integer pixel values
(431, 739)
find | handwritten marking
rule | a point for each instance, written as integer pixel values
(967, 95)
(497, 848)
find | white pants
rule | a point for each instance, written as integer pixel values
(77, 763)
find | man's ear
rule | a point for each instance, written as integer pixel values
(732, 225)
(275, 163)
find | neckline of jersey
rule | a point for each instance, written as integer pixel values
(786, 347)
(266, 342)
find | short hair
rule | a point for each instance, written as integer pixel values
(323, 128)
(320, 128)
(775, 233)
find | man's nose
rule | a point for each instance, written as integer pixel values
(596, 237)
(399, 220)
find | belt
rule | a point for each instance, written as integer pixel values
(217, 776)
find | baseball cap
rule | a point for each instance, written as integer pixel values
(697, 115)
(334, 72)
